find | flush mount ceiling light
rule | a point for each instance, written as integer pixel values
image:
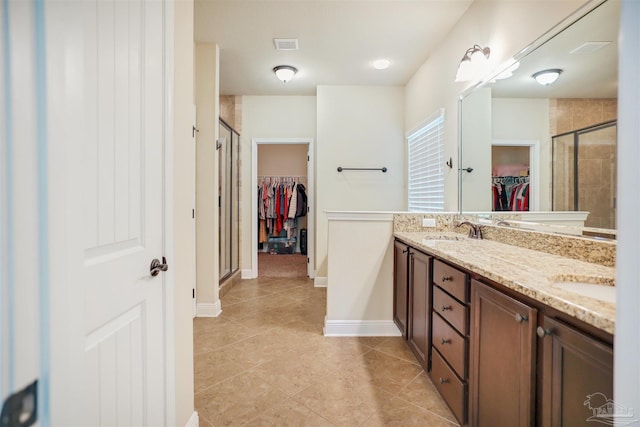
(381, 64)
(474, 64)
(547, 77)
(285, 72)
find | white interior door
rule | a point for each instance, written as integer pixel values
(107, 88)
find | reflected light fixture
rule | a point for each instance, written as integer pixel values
(474, 64)
(285, 72)
(547, 77)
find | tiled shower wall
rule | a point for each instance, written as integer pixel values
(597, 156)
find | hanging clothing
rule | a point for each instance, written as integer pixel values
(301, 205)
(294, 202)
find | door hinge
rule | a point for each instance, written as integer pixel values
(308, 158)
(193, 293)
(21, 408)
(307, 260)
(194, 130)
(193, 213)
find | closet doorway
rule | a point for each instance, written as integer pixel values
(280, 247)
(515, 175)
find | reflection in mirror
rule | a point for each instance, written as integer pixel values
(547, 153)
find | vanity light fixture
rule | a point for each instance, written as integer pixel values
(547, 77)
(285, 72)
(474, 64)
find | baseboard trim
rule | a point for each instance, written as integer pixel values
(361, 328)
(194, 420)
(247, 273)
(320, 282)
(206, 309)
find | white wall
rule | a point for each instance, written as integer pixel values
(207, 102)
(268, 117)
(184, 238)
(627, 340)
(360, 282)
(358, 126)
(526, 119)
(504, 26)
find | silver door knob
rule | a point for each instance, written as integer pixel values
(157, 266)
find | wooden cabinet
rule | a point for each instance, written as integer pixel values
(450, 341)
(419, 306)
(499, 358)
(401, 286)
(577, 375)
(502, 376)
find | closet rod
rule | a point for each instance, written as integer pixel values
(383, 169)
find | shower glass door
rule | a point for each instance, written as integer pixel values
(228, 192)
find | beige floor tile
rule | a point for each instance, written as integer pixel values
(237, 400)
(290, 374)
(290, 414)
(212, 367)
(398, 347)
(225, 333)
(422, 392)
(398, 413)
(388, 372)
(343, 401)
(265, 362)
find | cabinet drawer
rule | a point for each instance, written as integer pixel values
(450, 309)
(451, 280)
(451, 345)
(452, 390)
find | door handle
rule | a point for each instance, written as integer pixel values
(156, 267)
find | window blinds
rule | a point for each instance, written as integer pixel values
(426, 165)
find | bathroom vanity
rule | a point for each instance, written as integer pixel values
(509, 336)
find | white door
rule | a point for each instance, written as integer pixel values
(102, 97)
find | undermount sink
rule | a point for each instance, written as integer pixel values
(442, 238)
(598, 287)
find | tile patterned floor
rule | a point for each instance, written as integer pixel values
(265, 362)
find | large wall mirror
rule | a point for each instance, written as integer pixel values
(541, 151)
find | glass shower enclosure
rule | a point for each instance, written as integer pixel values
(228, 199)
(584, 173)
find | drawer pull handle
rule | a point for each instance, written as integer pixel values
(520, 318)
(404, 251)
(542, 332)
(446, 307)
(443, 380)
(447, 278)
(445, 341)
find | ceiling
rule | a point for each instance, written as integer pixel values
(338, 40)
(592, 75)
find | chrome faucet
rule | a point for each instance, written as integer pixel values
(475, 232)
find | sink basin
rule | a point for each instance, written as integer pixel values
(442, 238)
(598, 287)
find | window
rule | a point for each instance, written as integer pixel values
(426, 165)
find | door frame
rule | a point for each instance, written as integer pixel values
(168, 241)
(311, 271)
(534, 166)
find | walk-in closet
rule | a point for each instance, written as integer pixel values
(510, 175)
(282, 201)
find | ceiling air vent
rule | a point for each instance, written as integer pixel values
(286, 44)
(589, 47)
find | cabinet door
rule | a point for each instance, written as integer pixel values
(577, 376)
(502, 359)
(419, 306)
(401, 286)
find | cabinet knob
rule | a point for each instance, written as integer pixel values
(520, 318)
(445, 341)
(404, 251)
(445, 307)
(447, 278)
(443, 380)
(542, 332)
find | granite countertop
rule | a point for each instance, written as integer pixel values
(526, 271)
